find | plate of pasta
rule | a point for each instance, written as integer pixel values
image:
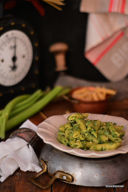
(86, 135)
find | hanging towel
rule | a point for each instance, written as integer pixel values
(107, 36)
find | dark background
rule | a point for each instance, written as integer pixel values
(67, 26)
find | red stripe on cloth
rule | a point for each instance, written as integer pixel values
(123, 6)
(111, 5)
(108, 48)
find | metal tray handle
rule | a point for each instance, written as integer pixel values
(66, 177)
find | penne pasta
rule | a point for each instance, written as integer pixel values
(80, 132)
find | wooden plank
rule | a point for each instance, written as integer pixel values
(19, 182)
(123, 187)
(63, 187)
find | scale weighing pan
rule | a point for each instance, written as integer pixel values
(85, 171)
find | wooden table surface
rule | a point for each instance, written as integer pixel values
(19, 181)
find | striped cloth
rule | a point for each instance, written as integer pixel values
(107, 36)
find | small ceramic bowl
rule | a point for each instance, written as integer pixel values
(100, 106)
(90, 107)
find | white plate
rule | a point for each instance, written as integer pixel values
(48, 130)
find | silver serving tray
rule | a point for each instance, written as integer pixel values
(86, 171)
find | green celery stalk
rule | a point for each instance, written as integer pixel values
(27, 102)
(6, 112)
(65, 91)
(14, 121)
(32, 96)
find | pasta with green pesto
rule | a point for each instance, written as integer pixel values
(83, 133)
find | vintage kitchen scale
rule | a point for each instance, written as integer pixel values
(19, 56)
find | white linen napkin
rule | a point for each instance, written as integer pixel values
(15, 153)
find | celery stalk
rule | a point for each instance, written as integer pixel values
(27, 102)
(14, 121)
(65, 91)
(32, 96)
(6, 112)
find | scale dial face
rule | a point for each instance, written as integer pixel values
(16, 55)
